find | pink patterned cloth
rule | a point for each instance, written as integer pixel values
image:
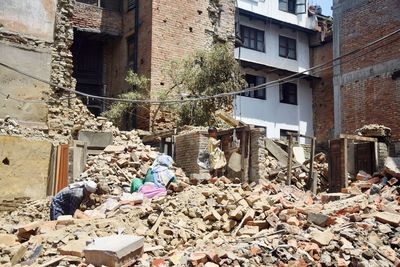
(150, 190)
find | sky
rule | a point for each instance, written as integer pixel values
(325, 4)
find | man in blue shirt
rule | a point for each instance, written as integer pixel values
(68, 200)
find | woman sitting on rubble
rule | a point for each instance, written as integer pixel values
(68, 200)
(157, 180)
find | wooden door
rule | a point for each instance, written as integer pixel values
(337, 165)
(364, 157)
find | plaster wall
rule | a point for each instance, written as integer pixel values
(271, 55)
(271, 9)
(34, 18)
(26, 173)
(35, 62)
(276, 116)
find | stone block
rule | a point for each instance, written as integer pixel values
(98, 140)
(115, 250)
(388, 217)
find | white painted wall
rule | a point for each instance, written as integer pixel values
(273, 115)
(271, 55)
(270, 8)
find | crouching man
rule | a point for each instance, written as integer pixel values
(68, 200)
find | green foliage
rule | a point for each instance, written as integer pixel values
(206, 73)
(140, 84)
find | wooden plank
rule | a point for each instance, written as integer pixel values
(311, 177)
(289, 160)
(62, 161)
(155, 226)
(277, 152)
(227, 118)
(338, 165)
(358, 138)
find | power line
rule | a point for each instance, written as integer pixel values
(201, 98)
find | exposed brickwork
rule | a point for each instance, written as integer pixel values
(373, 100)
(370, 98)
(323, 96)
(365, 23)
(172, 31)
(96, 19)
(187, 147)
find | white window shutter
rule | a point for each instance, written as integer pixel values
(301, 6)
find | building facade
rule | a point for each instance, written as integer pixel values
(366, 83)
(89, 45)
(275, 44)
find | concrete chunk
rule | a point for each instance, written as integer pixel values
(96, 139)
(114, 149)
(388, 217)
(114, 250)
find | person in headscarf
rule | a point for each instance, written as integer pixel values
(157, 179)
(68, 200)
(216, 155)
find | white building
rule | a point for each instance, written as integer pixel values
(275, 44)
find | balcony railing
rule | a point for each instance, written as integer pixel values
(114, 5)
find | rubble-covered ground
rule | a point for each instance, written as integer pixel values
(208, 223)
(226, 224)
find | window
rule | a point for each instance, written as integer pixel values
(131, 51)
(254, 81)
(284, 134)
(287, 5)
(252, 38)
(288, 93)
(293, 6)
(131, 4)
(287, 47)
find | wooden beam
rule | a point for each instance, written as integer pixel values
(227, 118)
(358, 138)
(290, 156)
(311, 177)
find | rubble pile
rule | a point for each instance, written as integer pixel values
(225, 224)
(374, 130)
(9, 126)
(272, 170)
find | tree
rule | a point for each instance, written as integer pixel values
(205, 73)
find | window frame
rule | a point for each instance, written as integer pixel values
(284, 43)
(132, 4)
(285, 91)
(257, 81)
(290, 6)
(256, 34)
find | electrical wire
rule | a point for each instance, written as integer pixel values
(201, 98)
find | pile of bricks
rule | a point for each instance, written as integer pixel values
(224, 224)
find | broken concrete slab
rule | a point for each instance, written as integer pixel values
(392, 166)
(388, 217)
(115, 250)
(73, 248)
(322, 238)
(98, 140)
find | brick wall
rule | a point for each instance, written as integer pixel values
(372, 100)
(323, 96)
(96, 19)
(177, 30)
(187, 148)
(369, 94)
(258, 154)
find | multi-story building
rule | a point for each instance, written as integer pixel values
(275, 44)
(89, 45)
